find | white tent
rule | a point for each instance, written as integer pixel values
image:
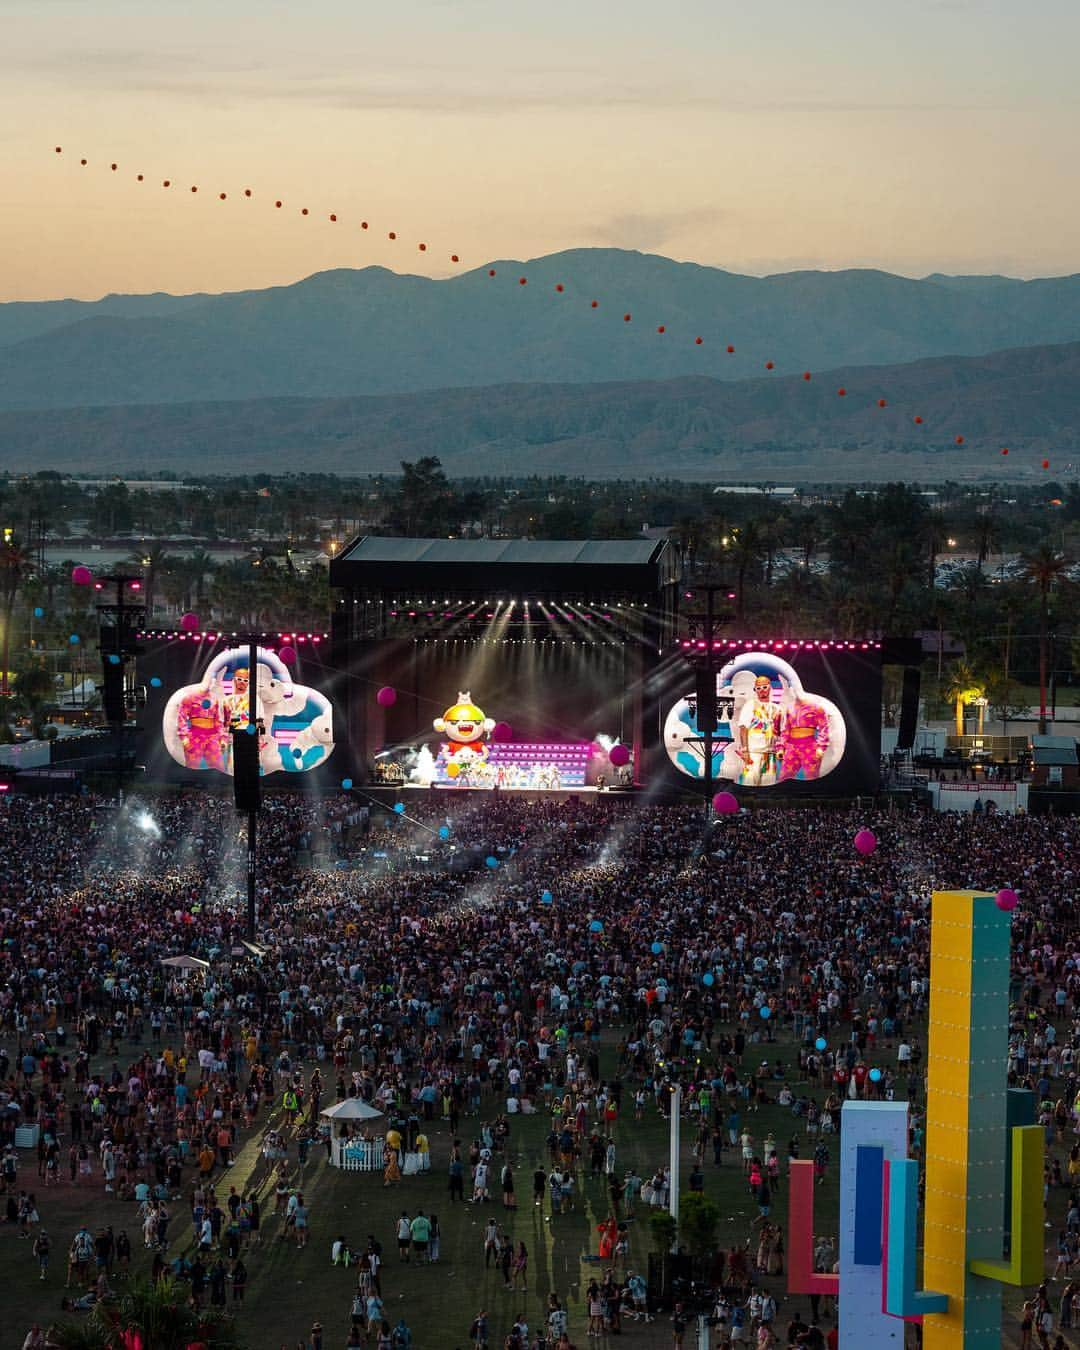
(352, 1108)
(185, 963)
(348, 1150)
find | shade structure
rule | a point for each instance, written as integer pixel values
(185, 963)
(352, 1108)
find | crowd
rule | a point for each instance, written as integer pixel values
(468, 956)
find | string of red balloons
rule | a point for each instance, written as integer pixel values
(560, 288)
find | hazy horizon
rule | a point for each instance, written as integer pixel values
(932, 138)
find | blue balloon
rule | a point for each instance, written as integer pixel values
(492, 861)
(39, 613)
(206, 703)
(708, 979)
(251, 729)
(596, 926)
(74, 639)
(766, 1012)
(346, 783)
(444, 831)
(821, 1043)
(875, 1075)
(155, 681)
(399, 807)
(656, 948)
(547, 897)
(114, 660)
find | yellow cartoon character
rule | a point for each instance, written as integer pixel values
(465, 727)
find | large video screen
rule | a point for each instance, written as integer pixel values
(807, 721)
(198, 695)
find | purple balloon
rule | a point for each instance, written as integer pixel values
(189, 623)
(725, 804)
(502, 731)
(619, 755)
(81, 576)
(1006, 899)
(287, 655)
(865, 842)
(386, 697)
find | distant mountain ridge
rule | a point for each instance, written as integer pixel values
(350, 332)
(767, 427)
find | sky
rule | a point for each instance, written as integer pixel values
(921, 136)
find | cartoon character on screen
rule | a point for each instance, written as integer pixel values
(759, 725)
(465, 727)
(804, 740)
(238, 703)
(203, 728)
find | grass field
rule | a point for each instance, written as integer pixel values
(289, 1288)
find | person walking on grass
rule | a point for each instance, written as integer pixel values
(42, 1248)
(520, 1268)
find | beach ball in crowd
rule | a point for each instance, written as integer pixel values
(725, 804)
(492, 861)
(656, 948)
(74, 639)
(39, 613)
(399, 808)
(452, 770)
(708, 979)
(81, 576)
(619, 755)
(875, 1075)
(346, 783)
(189, 623)
(596, 926)
(1006, 899)
(865, 842)
(546, 898)
(766, 1012)
(386, 697)
(821, 1043)
(155, 681)
(444, 831)
(287, 655)
(502, 731)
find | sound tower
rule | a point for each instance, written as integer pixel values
(112, 693)
(705, 683)
(909, 708)
(246, 785)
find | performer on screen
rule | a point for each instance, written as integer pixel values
(238, 703)
(759, 730)
(203, 728)
(804, 742)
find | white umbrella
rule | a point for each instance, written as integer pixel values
(185, 963)
(352, 1108)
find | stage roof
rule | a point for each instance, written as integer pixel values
(521, 565)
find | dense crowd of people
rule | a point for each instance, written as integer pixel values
(472, 955)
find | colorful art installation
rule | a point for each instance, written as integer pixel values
(983, 1217)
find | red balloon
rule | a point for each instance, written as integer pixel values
(626, 318)
(730, 349)
(660, 329)
(1004, 449)
(278, 204)
(595, 304)
(194, 189)
(842, 393)
(391, 235)
(769, 365)
(303, 210)
(619, 755)
(698, 341)
(82, 161)
(865, 842)
(166, 183)
(881, 403)
(806, 375)
(491, 271)
(559, 287)
(59, 149)
(454, 257)
(81, 576)
(221, 195)
(139, 177)
(959, 440)
(189, 623)
(287, 655)
(387, 697)
(363, 224)
(523, 281)
(422, 248)
(332, 216)
(247, 192)
(1046, 463)
(918, 421)
(113, 167)
(725, 804)
(1006, 899)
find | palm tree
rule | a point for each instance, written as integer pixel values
(1046, 568)
(13, 564)
(747, 550)
(153, 560)
(157, 1316)
(962, 686)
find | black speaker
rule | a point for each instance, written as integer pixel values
(706, 700)
(246, 771)
(909, 708)
(112, 692)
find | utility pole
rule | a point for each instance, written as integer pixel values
(253, 803)
(675, 1141)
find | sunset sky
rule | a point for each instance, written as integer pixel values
(922, 136)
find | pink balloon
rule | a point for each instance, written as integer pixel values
(725, 804)
(619, 755)
(287, 655)
(386, 697)
(81, 576)
(502, 731)
(189, 623)
(1006, 899)
(865, 842)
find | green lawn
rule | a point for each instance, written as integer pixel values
(289, 1288)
